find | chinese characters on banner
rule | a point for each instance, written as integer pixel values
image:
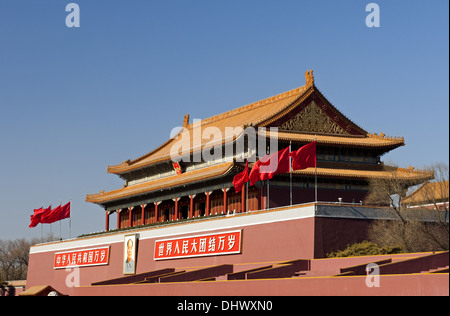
(82, 258)
(198, 246)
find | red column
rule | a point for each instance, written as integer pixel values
(176, 208)
(156, 212)
(208, 204)
(225, 200)
(243, 210)
(143, 214)
(107, 221)
(118, 219)
(260, 199)
(191, 206)
(130, 217)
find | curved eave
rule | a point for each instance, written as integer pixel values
(132, 166)
(429, 192)
(399, 173)
(370, 141)
(161, 184)
(129, 165)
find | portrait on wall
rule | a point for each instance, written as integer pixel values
(129, 263)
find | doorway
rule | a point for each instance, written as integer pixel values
(184, 211)
(166, 214)
(202, 209)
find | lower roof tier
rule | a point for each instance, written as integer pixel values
(228, 170)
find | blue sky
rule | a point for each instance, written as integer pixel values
(75, 100)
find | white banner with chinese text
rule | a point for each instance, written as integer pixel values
(199, 246)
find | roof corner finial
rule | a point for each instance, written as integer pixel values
(186, 120)
(309, 77)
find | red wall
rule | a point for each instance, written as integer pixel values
(280, 195)
(390, 285)
(332, 234)
(278, 241)
(307, 238)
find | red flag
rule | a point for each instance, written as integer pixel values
(240, 179)
(37, 216)
(277, 163)
(57, 214)
(65, 212)
(305, 157)
(49, 217)
(34, 220)
(254, 174)
(268, 166)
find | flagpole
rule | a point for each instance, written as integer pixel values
(316, 183)
(60, 238)
(42, 228)
(246, 184)
(315, 180)
(70, 219)
(246, 196)
(290, 172)
(268, 182)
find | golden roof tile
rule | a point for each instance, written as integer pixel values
(160, 184)
(244, 116)
(429, 192)
(400, 173)
(347, 140)
(259, 114)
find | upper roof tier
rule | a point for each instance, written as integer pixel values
(301, 115)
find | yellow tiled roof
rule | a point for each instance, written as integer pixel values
(370, 140)
(260, 113)
(429, 192)
(400, 173)
(159, 184)
(214, 171)
(249, 115)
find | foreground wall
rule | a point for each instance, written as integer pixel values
(266, 236)
(298, 232)
(390, 285)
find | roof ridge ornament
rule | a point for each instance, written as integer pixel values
(186, 121)
(309, 76)
(385, 137)
(126, 162)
